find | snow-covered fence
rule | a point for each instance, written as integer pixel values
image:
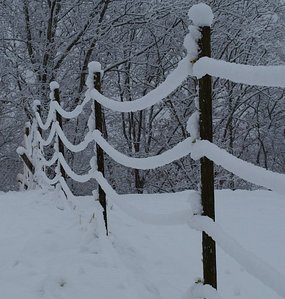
(33, 151)
(256, 75)
(201, 16)
(36, 163)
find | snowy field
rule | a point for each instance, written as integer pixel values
(50, 247)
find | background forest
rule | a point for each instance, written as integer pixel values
(138, 43)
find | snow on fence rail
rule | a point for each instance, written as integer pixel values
(36, 163)
(270, 75)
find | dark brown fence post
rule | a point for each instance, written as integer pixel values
(207, 167)
(27, 162)
(22, 153)
(27, 130)
(37, 109)
(59, 120)
(99, 152)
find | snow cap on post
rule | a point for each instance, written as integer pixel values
(93, 67)
(27, 124)
(36, 104)
(53, 86)
(201, 15)
(20, 150)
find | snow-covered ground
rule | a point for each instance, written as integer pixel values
(51, 248)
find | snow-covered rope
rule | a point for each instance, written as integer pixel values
(56, 129)
(173, 81)
(270, 76)
(110, 192)
(81, 178)
(48, 181)
(55, 107)
(49, 162)
(52, 134)
(180, 150)
(248, 260)
(245, 170)
(198, 149)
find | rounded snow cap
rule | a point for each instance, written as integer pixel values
(201, 15)
(53, 85)
(20, 150)
(36, 103)
(94, 67)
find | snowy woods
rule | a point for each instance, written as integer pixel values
(139, 44)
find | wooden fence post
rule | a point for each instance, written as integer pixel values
(37, 109)
(99, 151)
(207, 167)
(21, 151)
(27, 131)
(28, 162)
(59, 120)
(25, 156)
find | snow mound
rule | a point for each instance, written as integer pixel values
(53, 85)
(94, 67)
(201, 15)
